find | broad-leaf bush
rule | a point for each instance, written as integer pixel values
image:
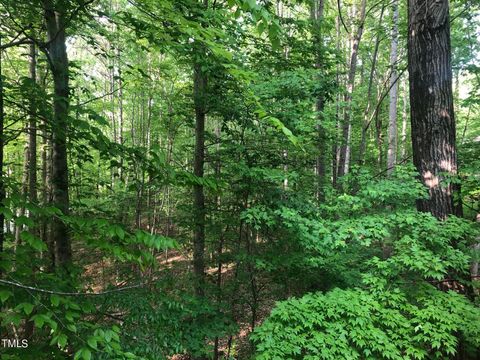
(388, 264)
(363, 324)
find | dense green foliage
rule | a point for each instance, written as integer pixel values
(357, 324)
(388, 256)
(298, 264)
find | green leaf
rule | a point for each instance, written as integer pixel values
(5, 294)
(120, 232)
(62, 340)
(7, 213)
(33, 241)
(55, 300)
(87, 354)
(108, 335)
(39, 320)
(83, 353)
(23, 220)
(92, 342)
(27, 308)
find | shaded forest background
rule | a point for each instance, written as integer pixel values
(239, 179)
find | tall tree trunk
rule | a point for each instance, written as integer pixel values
(32, 154)
(120, 109)
(392, 112)
(366, 123)
(345, 151)
(199, 96)
(431, 105)
(24, 193)
(218, 167)
(2, 144)
(29, 181)
(403, 139)
(111, 79)
(335, 148)
(46, 172)
(379, 130)
(55, 21)
(32, 133)
(317, 7)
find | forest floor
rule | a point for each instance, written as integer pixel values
(101, 273)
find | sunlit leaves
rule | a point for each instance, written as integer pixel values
(352, 323)
(83, 354)
(33, 241)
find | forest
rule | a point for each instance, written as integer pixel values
(239, 179)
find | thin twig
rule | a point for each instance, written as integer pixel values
(404, 160)
(340, 16)
(62, 293)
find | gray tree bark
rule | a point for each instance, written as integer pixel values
(57, 53)
(32, 132)
(200, 103)
(345, 150)
(316, 15)
(431, 105)
(392, 112)
(2, 144)
(29, 181)
(403, 139)
(366, 122)
(200, 83)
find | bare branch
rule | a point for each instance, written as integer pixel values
(16, 43)
(62, 293)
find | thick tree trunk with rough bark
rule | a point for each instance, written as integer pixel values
(57, 52)
(431, 105)
(392, 112)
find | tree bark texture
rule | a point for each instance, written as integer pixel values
(431, 105)
(57, 52)
(24, 192)
(200, 84)
(32, 131)
(2, 144)
(29, 181)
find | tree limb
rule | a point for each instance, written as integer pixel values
(62, 293)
